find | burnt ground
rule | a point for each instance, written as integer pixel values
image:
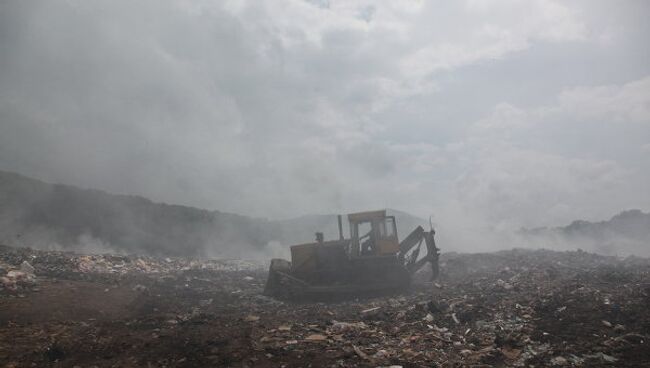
(510, 308)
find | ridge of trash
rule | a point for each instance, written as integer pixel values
(511, 308)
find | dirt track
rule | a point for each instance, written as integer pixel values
(515, 308)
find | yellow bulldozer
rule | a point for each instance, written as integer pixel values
(371, 261)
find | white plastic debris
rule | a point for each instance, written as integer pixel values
(453, 316)
(27, 268)
(558, 360)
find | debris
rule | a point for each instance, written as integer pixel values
(361, 354)
(453, 316)
(608, 358)
(510, 353)
(139, 287)
(440, 329)
(27, 268)
(381, 354)
(209, 313)
(205, 302)
(370, 310)
(558, 360)
(316, 338)
(601, 356)
(341, 327)
(503, 285)
(284, 328)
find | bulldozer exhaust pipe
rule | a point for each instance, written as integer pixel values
(340, 218)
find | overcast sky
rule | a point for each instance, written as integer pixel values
(500, 113)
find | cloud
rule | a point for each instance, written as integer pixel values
(289, 107)
(516, 177)
(628, 102)
(476, 31)
(503, 119)
(515, 187)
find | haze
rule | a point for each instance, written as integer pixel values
(484, 114)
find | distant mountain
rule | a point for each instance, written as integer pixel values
(626, 233)
(42, 215)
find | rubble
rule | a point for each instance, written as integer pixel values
(18, 279)
(558, 360)
(27, 268)
(342, 327)
(316, 337)
(513, 309)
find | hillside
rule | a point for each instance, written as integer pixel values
(50, 215)
(626, 233)
(53, 216)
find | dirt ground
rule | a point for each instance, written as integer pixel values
(511, 308)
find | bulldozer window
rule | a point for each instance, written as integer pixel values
(387, 228)
(366, 238)
(365, 229)
(382, 229)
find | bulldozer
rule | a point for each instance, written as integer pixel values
(371, 261)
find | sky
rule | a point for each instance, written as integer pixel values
(491, 114)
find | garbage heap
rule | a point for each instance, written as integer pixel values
(514, 308)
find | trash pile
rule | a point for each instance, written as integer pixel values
(69, 265)
(516, 308)
(17, 279)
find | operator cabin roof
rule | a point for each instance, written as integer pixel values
(365, 216)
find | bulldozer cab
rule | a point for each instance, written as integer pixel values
(372, 233)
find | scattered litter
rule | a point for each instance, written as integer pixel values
(453, 316)
(251, 318)
(341, 327)
(510, 353)
(360, 353)
(558, 360)
(548, 309)
(316, 337)
(139, 287)
(370, 310)
(284, 328)
(27, 268)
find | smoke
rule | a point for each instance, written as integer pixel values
(46, 239)
(491, 118)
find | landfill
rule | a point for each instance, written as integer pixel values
(514, 308)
